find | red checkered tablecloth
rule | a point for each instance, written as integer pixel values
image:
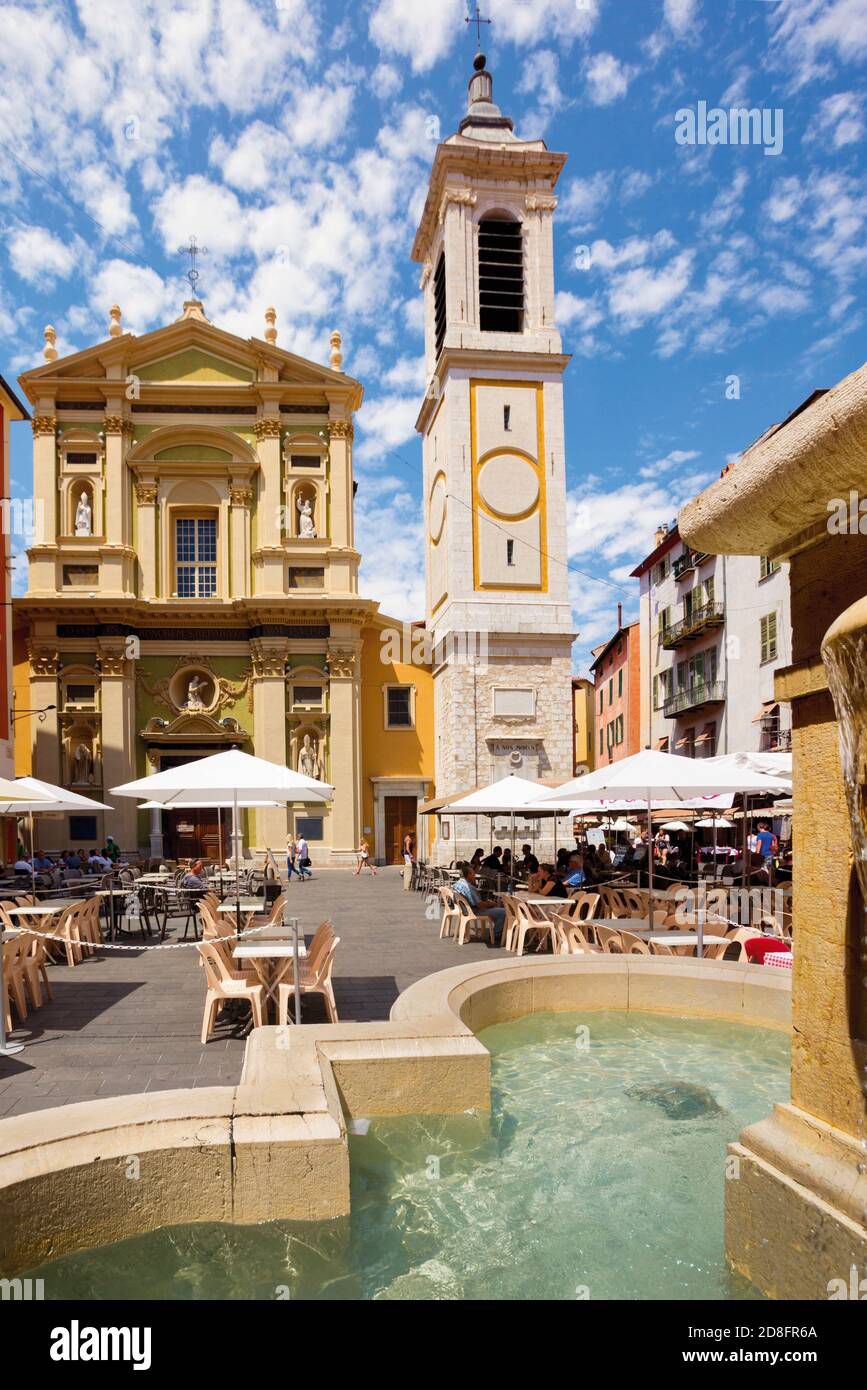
(781, 959)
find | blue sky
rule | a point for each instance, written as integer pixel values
(294, 140)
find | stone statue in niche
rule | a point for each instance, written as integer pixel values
(308, 758)
(82, 765)
(84, 516)
(306, 525)
(194, 692)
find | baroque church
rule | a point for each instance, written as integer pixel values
(193, 585)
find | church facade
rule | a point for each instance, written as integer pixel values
(195, 583)
(494, 460)
(194, 587)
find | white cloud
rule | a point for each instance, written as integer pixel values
(607, 78)
(785, 200)
(199, 203)
(643, 293)
(674, 459)
(256, 157)
(422, 33)
(39, 256)
(390, 534)
(144, 298)
(319, 114)
(584, 199)
(385, 424)
(839, 120)
(680, 15)
(807, 35)
(570, 308)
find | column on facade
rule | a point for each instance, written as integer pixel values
(44, 668)
(44, 427)
(344, 669)
(240, 497)
(146, 502)
(269, 729)
(118, 736)
(269, 507)
(115, 504)
(340, 477)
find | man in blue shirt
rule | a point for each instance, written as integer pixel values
(575, 875)
(482, 907)
(767, 842)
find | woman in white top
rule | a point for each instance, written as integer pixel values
(364, 861)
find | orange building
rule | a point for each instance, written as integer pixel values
(10, 409)
(617, 694)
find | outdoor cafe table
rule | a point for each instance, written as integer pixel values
(43, 909)
(262, 954)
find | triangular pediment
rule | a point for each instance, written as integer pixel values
(191, 352)
(192, 364)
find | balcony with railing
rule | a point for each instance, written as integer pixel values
(688, 561)
(694, 697)
(699, 621)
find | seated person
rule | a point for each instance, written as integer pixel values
(22, 865)
(494, 860)
(482, 906)
(71, 860)
(603, 857)
(506, 866)
(574, 876)
(528, 863)
(41, 862)
(194, 878)
(562, 859)
(477, 858)
(549, 884)
(95, 862)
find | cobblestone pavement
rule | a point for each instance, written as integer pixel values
(125, 1022)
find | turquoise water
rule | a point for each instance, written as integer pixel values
(599, 1175)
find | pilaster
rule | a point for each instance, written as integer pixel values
(344, 670)
(269, 730)
(118, 736)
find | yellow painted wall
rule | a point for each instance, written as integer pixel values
(21, 687)
(392, 752)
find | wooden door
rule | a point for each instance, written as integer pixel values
(400, 820)
(193, 834)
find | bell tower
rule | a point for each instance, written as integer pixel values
(494, 456)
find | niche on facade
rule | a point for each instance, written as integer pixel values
(81, 484)
(81, 754)
(305, 511)
(193, 689)
(307, 749)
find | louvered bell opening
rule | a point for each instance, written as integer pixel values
(501, 277)
(440, 304)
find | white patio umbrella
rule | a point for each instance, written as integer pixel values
(34, 796)
(674, 825)
(667, 777)
(714, 823)
(506, 796)
(22, 797)
(209, 806)
(231, 778)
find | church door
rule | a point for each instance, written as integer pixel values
(194, 834)
(400, 820)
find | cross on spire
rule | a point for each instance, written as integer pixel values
(478, 21)
(193, 250)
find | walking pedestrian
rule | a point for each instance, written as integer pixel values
(302, 859)
(364, 860)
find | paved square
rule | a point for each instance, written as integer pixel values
(125, 1022)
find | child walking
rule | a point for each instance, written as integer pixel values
(364, 859)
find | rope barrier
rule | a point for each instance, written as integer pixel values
(141, 946)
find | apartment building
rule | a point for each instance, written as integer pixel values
(617, 694)
(714, 629)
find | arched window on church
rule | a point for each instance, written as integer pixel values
(501, 275)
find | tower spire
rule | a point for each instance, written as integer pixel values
(484, 119)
